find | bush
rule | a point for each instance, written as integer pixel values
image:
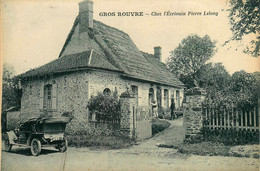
(159, 125)
(85, 136)
(231, 137)
(179, 114)
(163, 113)
(105, 107)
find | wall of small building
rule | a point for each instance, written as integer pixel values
(73, 90)
(71, 95)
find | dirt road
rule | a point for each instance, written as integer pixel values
(145, 156)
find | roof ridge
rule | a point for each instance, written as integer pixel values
(90, 56)
(96, 21)
(111, 57)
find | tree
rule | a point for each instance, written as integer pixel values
(244, 19)
(214, 78)
(244, 89)
(241, 90)
(188, 58)
(11, 94)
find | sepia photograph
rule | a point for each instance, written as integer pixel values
(120, 85)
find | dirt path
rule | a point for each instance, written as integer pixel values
(145, 156)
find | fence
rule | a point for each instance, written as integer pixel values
(233, 118)
(110, 124)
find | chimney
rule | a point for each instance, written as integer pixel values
(158, 53)
(85, 15)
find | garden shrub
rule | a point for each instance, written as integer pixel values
(105, 107)
(231, 137)
(159, 125)
(85, 136)
(163, 113)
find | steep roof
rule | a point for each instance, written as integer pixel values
(86, 59)
(115, 49)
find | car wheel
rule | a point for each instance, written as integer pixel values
(36, 147)
(7, 145)
(63, 146)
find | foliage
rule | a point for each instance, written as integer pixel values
(243, 89)
(86, 136)
(202, 148)
(244, 19)
(240, 90)
(106, 107)
(11, 93)
(163, 112)
(159, 125)
(99, 142)
(231, 136)
(188, 58)
(213, 77)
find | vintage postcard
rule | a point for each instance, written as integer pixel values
(130, 85)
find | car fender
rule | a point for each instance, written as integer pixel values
(11, 137)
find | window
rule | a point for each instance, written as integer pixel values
(48, 96)
(151, 95)
(166, 98)
(107, 92)
(47, 103)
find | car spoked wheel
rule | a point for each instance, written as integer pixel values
(63, 146)
(7, 145)
(36, 147)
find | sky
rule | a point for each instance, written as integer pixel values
(33, 33)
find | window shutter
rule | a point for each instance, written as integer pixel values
(54, 96)
(41, 97)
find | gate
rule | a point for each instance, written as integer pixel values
(142, 122)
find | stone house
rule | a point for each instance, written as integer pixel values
(96, 58)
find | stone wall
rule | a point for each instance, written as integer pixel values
(127, 109)
(71, 96)
(73, 90)
(193, 117)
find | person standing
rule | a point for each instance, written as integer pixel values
(154, 108)
(172, 109)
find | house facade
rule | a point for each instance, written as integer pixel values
(96, 58)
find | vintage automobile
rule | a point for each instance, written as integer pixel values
(37, 133)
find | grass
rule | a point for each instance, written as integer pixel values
(100, 142)
(202, 148)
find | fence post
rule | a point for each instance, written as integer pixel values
(213, 113)
(228, 120)
(127, 107)
(232, 116)
(216, 118)
(246, 119)
(193, 114)
(254, 111)
(237, 123)
(257, 112)
(242, 119)
(225, 119)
